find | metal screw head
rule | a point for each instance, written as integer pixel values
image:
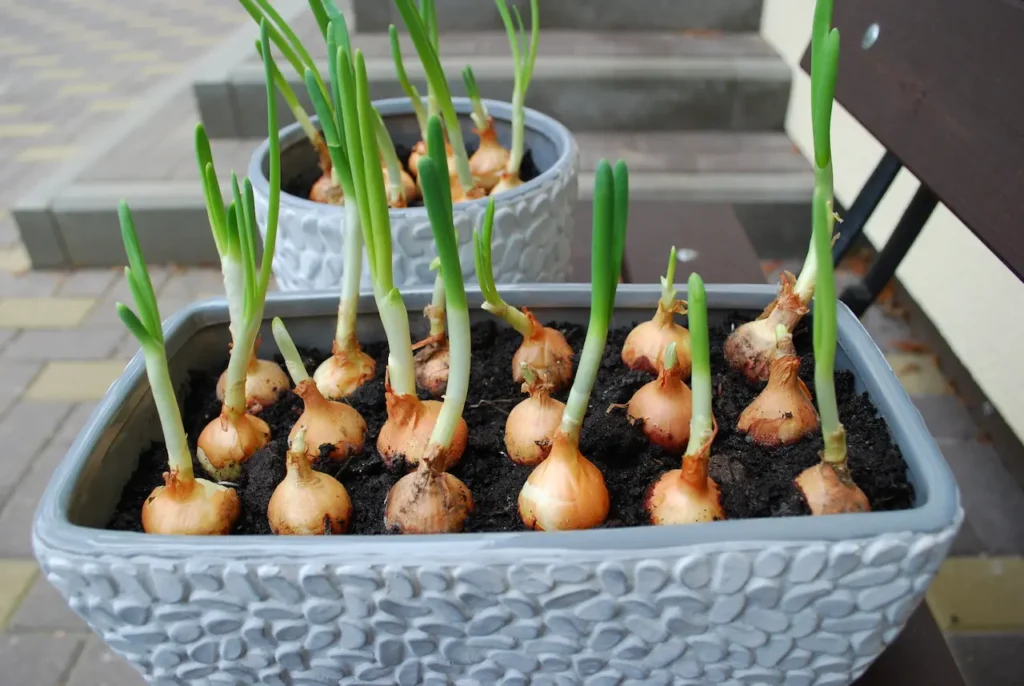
(870, 37)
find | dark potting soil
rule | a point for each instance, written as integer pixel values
(301, 182)
(754, 481)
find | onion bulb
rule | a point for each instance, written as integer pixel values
(829, 489)
(506, 182)
(326, 422)
(341, 374)
(687, 495)
(228, 441)
(546, 351)
(325, 191)
(410, 191)
(532, 424)
(432, 362)
(565, 492)
(419, 150)
(190, 507)
(750, 349)
(664, 406)
(406, 433)
(645, 345)
(307, 502)
(782, 413)
(490, 159)
(427, 501)
(265, 383)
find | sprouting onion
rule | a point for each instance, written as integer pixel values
(432, 356)
(424, 38)
(401, 188)
(646, 344)
(230, 439)
(348, 367)
(544, 349)
(326, 422)
(490, 159)
(663, 406)
(828, 487)
(566, 491)
(307, 502)
(531, 425)
(782, 413)
(524, 57)
(431, 500)
(689, 495)
(414, 99)
(184, 505)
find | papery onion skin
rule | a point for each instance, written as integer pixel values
(427, 501)
(546, 351)
(265, 383)
(328, 422)
(644, 348)
(490, 159)
(664, 407)
(532, 424)
(687, 495)
(432, 364)
(228, 441)
(782, 414)
(307, 502)
(829, 489)
(344, 372)
(750, 349)
(195, 507)
(565, 492)
(406, 433)
(325, 191)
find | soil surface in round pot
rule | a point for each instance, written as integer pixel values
(754, 481)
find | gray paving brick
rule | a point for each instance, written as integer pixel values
(25, 430)
(17, 376)
(104, 312)
(5, 337)
(43, 609)
(946, 417)
(74, 422)
(89, 282)
(36, 659)
(192, 284)
(33, 283)
(989, 659)
(993, 502)
(886, 329)
(85, 344)
(20, 507)
(98, 666)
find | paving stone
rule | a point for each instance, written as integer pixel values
(17, 376)
(887, 330)
(919, 373)
(75, 381)
(90, 282)
(20, 508)
(979, 594)
(72, 425)
(989, 659)
(5, 337)
(98, 666)
(85, 344)
(26, 429)
(991, 498)
(15, 578)
(33, 283)
(37, 660)
(44, 313)
(14, 259)
(43, 609)
(946, 417)
(190, 284)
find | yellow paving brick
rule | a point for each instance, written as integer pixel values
(14, 260)
(979, 594)
(201, 40)
(79, 381)
(16, 49)
(60, 74)
(919, 373)
(16, 577)
(47, 153)
(137, 56)
(11, 108)
(24, 130)
(159, 69)
(43, 313)
(37, 61)
(112, 104)
(86, 88)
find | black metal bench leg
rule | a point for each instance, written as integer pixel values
(863, 207)
(859, 297)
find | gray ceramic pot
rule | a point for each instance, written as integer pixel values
(795, 600)
(532, 224)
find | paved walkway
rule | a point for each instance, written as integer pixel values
(70, 68)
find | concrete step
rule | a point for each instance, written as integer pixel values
(588, 80)
(594, 15)
(760, 175)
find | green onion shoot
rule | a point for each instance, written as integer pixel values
(430, 500)
(348, 367)
(432, 355)
(782, 413)
(232, 438)
(566, 491)
(326, 422)
(828, 487)
(647, 343)
(524, 57)
(662, 407)
(689, 495)
(543, 349)
(423, 32)
(184, 505)
(307, 502)
(415, 100)
(490, 159)
(402, 189)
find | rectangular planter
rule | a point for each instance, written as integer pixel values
(800, 600)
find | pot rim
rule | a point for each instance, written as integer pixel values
(500, 110)
(937, 508)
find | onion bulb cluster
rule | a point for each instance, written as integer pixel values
(307, 502)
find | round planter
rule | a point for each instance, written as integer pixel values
(532, 224)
